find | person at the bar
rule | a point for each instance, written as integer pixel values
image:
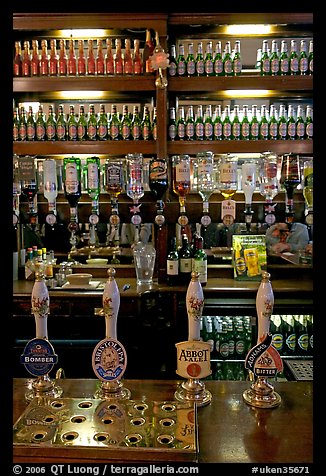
(281, 238)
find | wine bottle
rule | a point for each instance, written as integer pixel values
(172, 264)
(158, 177)
(137, 62)
(72, 180)
(185, 261)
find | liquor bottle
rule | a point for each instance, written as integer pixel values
(273, 123)
(15, 132)
(185, 261)
(199, 61)
(81, 60)
(137, 61)
(172, 264)
(303, 58)
(114, 124)
(245, 124)
(309, 123)
(200, 260)
(109, 60)
(91, 124)
(294, 59)
(50, 124)
(217, 123)
(158, 177)
(172, 125)
(248, 180)
(135, 124)
(218, 60)
(30, 125)
(235, 124)
(40, 124)
(263, 124)
(227, 125)
(181, 124)
(208, 60)
(91, 68)
(311, 57)
(289, 336)
(154, 124)
(72, 124)
(276, 329)
(114, 178)
(147, 53)
(99, 62)
(308, 184)
(17, 64)
(146, 126)
(35, 59)
(300, 124)
(102, 124)
(274, 59)
(172, 61)
(50, 183)
(265, 64)
(284, 59)
(53, 58)
(205, 184)
(181, 61)
(71, 61)
(291, 123)
(181, 177)
(228, 175)
(227, 60)
(254, 124)
(82, 124)
(290, 179)
(208, 123)
(61, 125)
(282, 123)
(44, 60)
(268, 182)
(236, 61)
(93, 181)
(72, 180)
(190, 61)
(125, 126)
(62, 61)
(26, 61)
(127, 58)
(135, 185)
(199, 123)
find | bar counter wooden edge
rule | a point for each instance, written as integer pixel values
(230, 431)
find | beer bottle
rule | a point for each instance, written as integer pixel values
(62, 61)
(146, 126)
(217, 123)
(127, 58)
(199, 124)
(254, 124)
(208, 60)
(114, 124)
(263, 124)
(50, 125)
(239, 371)
(291, 123)
(223, 352)
(147, 53)
(125, 126)
(190, 61)
(309, 123)
(208, 124)
(99, 63)
(71, 62)
(227, 60)
(26, 61)
(273, 123)
(303, 58)
(40, 124)
(239, 339)
(190, 124)
(109, 61)
(227, 125)
(218, 375)
(82, 124)
(181, 124)
(231, 337)
(300, 124)
(203, 331)
(310, 323)
(35, 59)
(154, 124)
(72, 124)
(61, 126)
(311, 57)
(172, 61)
(30, 125)
(184, 261)
(245, 124)
(81, 60)
(210, 338)
(284, 59)
(274, 59)
(199, 61)
(53, 58)
(282, 124)
(137, 62)
(218, 60)
(135, 124)
(294, 59)
(289, 335)
(277, 334)
(172, 125)
(17, 71)
(172, 264)
(181, 61)
(236, 61)
(15, 134)
(102, 124)
(91, 68)
(117, 58)
(265, 65)
(44, 60)
(92, 124)
(302, 335)
(247, 333)
(236, 126)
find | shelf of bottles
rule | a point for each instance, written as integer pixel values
(231, 337)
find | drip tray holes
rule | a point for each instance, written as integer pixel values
(167, 422)
(167, 407)
(165, 439)
(85, 404)
(69, 436)
(107, 420)
(101, 437)
(78, 419)
(57, 404)
(137, 421)
(133, 439)
(140, 407)
(39, 436)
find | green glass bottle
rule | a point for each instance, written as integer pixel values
(208, 124)
(146, 125)
(172, 70)
(184, 261)
(82, 124)
(181, 61)
(172, 264)
(199, 124)
(217, 123)
(190, 124)
(72, 124)
(276, 329)
(265, 64)
(291, 123)
(263, 124)
(218, 60)
(114, 124)
(309, 123)
(102, 124)
(92, 124)
(245, 124)
(30, 125)
(284, 59)
(200, 260)
(227, 60)
(50, 125)
(239, 339)
(236, 125)
(61, 126)
(125, 126)
(274, 60)
(254, 124)
(199, 61)
(273, 123)
(40, 124)
(135, 124)
(282, 124)
(190, 61)
(223, 352)
(227, 125)
(236, 61)
(72, 180)
(311, 57)
(294, 58)
(181, 124)
(93, 181)
(208, 60)
(300, 124)
(15, 132)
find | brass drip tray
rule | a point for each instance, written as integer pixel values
(131, 429)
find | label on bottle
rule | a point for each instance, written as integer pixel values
(172, 267)
(199, 128)
(303, 342)
(228, 66)
(92, 176)
(158, 170)
(91, 131)
(114, 131)
(218, 66)
(71, 182)
(291, 342)
(200, 266)
(277, 342)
